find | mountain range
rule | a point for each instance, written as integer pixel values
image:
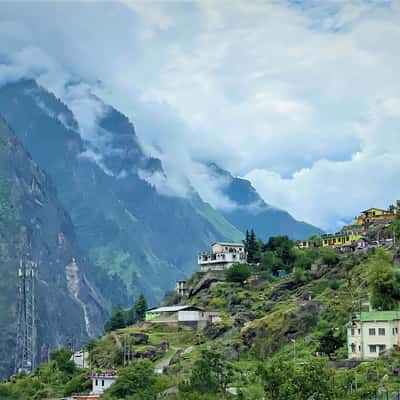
(36, 229)
(94, 205)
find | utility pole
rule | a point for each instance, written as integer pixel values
(127, 350)
(25, 357)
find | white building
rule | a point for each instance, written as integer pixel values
(222, 256)
(372, 333)
(102, 381)
(181, 288)
(182, 315)
(80, 358)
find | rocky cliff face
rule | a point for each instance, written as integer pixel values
(251, 211)
(138, 236)
(35, 227)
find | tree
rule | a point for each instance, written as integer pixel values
(252, 247)
(140, 308)
(222, 371)
(395, 226)
(282, 248)
(383, 281)
(315, 239)
(271, 262)
(138, 377)
(62, 360)
(210, 374)
(329, 343)
(78, 384)
(328, 257)
(202, 379)
(288, 381)
(305, 258)
(238, 273)
(117, 320)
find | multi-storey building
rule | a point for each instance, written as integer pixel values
(372, 333)
(222, 256)
(375, 215)
(181, 288)
(340, 239)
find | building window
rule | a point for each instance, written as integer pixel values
(382, 348)
(102, 382)
(381, 331)
(372, 348)
(359, 331)
(352, 331)
(359, 348)
(353, 348)
(96, 382)
(371, 331)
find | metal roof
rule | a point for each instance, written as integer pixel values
(173, 308)
(380, 316)
(229, 244)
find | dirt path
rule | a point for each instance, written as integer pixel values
(164, 363)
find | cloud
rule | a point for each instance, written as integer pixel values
(302, 98)
(331, 192)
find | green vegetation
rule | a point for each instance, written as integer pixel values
(58, 378)
(279, 338)
(238, 273)
(383, 281)
(121, 318)
(395, 225)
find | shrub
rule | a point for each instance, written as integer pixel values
(238, 273)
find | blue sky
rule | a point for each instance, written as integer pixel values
(302, 98)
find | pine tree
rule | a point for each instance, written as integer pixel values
(140, 308)
(117, 320)
(246, 241)
(252, 248)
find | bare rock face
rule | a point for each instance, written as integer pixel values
(102, 180)
(139, 338)
(35, 228)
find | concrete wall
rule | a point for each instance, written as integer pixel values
(191, 315)
(101, 383)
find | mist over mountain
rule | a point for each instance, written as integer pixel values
(34, 228)
(249, 210)
(135, 234)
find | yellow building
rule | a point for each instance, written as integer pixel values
(373, 215)
(340, 239)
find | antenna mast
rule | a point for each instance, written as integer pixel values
(26, 326)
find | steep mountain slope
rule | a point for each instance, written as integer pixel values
(130, 230)
(35, 228)
(251, 211)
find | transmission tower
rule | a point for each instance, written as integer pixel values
(26, 326)
(127, 355)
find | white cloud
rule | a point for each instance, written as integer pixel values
(301, 99)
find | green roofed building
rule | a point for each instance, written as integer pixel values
(372, 333)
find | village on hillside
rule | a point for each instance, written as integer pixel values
(370, 333)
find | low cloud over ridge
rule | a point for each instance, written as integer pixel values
(302, 100)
